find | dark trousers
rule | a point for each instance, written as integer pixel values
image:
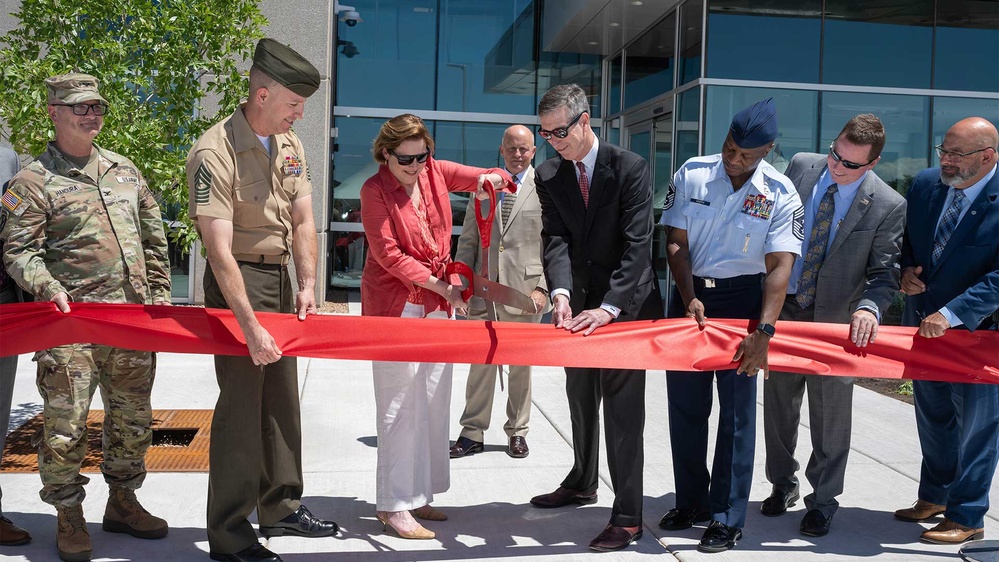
(958, 425)
(623, 395)
(256, 439)
(725, 490)
(830, 413)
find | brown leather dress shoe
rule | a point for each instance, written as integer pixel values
(11, 534)
(920, 511)
(464, 447)
(518, 447)
(615, 538)
(950, 532)
(562, 497)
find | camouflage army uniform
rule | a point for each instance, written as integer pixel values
(97, 234)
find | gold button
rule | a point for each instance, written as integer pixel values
(501, 247)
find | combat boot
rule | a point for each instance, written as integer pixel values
(72, 539)
(125, 515)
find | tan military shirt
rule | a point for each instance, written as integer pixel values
(230, 176)
(94, 232)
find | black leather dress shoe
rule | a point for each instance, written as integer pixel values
(814, 524)
(562, 497)
(615, 538)
(719, 538)
(302, 523)
(680, 518)
(778, 502)
(464, 447)
(518, 447)
(254, 553)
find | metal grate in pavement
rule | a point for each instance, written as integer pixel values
(170, 427)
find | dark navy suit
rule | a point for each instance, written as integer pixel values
(958, 423)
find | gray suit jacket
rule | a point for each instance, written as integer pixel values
(515, 247)
(861, 267)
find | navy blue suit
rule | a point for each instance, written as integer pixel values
(958, 423)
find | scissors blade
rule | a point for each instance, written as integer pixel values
(492, 291)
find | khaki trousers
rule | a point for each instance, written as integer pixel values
(256, 440)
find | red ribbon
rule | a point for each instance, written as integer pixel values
(677, 344)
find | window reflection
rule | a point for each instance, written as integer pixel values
(690, 40)
(687, 126)
(967, 31)
(906, 121)
(614, 85)
(797, 118)
(878, 43)
(787, 31)
(947, 111)
(649, 68)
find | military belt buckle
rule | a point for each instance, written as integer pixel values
(709, 283)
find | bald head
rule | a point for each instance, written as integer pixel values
(517, 148)
(978, 139)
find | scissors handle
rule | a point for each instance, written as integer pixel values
(485, 223)
(462, 270)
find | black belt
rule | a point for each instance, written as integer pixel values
(729, 283)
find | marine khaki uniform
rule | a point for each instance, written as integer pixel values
(255, 454)
(97, 234)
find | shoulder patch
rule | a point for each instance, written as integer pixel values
(670, 196)
(202, 185)
(798, 226)
(13, 203)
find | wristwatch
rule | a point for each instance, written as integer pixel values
(767, 329)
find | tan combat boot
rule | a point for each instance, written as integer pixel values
(125, 515)
(72, 539)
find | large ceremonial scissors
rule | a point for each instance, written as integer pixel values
(480, 285)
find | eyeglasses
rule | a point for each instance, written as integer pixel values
(99, 109)
(561, 132)
(942, 152)
(846, 163)
(408, 159)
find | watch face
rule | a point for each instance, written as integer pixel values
(767, 329)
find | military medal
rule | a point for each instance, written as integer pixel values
(292, 166)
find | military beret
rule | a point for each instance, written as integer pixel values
(289, 68)
(73, 88)
(755, 126)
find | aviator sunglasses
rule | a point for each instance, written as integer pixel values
(846, 163)
(561, 132)
(406, 160)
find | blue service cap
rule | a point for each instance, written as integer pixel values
(755, 126)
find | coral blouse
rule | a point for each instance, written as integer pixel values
(398, 257)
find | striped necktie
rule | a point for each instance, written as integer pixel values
(817, 244)
(508, 200)
(584, 183)
(947, 225)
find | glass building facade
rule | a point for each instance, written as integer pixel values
(667, 89)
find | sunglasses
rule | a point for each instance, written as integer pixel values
(99, 109)
(561, 132)
(406, 160)
(846, 163)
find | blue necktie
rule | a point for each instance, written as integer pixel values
(816, 248)
(947, 225)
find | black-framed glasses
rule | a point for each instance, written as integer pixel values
(99, 109)
(942, 152)
(560, 132)
(846, 163)
(407, 159)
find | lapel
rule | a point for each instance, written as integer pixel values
(601, 171)
(861, 204)
(976, 213)
(809, 177)
(525, 191)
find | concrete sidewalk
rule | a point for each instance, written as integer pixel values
(490, 517)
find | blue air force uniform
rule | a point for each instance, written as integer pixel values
(729, 233)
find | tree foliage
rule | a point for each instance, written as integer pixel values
(160, 62)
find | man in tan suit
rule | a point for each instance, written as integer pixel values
(514, 260)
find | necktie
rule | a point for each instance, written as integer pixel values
(947, 225)
(584, 183)
(508, 200)
(816, 248)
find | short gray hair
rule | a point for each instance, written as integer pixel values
(569, 96)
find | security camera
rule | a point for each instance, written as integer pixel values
(351, 18)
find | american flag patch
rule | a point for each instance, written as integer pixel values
(12, 201)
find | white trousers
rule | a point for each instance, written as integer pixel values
(412, 403)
